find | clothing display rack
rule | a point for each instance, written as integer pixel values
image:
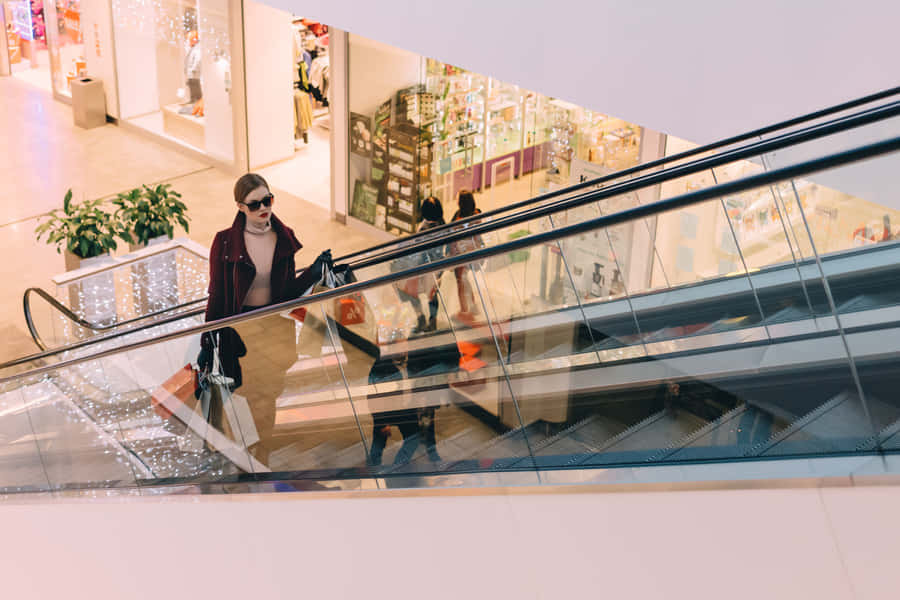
(311, 73)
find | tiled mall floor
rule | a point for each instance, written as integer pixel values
(42, 154)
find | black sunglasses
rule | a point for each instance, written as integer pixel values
(256, 204)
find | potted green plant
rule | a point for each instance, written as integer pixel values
(149, 214)
(84, 230)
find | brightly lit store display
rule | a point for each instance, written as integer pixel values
(174, 71)
(474, 132)
(66, 38)
(26, 34)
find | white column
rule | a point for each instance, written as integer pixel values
(216, 80)
(270, 97)
(96, 25)
(340, 111)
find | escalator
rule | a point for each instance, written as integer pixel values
(778, 358)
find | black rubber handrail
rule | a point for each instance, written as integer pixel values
(431, 236)
(764, 179)
(815, 132)
(67, 312)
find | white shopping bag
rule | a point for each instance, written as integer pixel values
(240, 419)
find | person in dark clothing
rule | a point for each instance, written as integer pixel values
(251, 265)
(432, 215)
(467, 208)
(415, 423)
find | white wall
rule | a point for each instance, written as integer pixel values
(268, 40)
(96, 24)
(825, 543)
(340, 130)
(376, 72)
(697, 69)
(217, 104)
(136, 66)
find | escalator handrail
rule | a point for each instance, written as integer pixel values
(458, 229)
(642, 167)
(67, 312)
(766, 178)
(817, 131)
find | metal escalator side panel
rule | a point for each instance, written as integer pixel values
(647, 438)
(838, 425)
(730, 436)
(890, 438)
(576, 442)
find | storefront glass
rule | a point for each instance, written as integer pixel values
(26, 41)
(419, 127)
(173, 60)
(765, 226)
(66, 41)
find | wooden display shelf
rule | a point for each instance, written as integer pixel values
(187, 128)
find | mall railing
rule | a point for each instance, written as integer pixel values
(160, 280)
(584, 204)
(518, 386)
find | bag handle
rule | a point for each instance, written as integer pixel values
(328, 279)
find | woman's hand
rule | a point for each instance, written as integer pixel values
(322, 261)
(305, 282)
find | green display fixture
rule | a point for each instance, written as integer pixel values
(365, 197)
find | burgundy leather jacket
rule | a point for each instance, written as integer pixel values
(231, 271)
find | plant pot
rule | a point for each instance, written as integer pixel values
(160, 239)
(75, 262)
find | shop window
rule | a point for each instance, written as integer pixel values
(174, 71)
(67, 60)
(437, 129)
(26, 38)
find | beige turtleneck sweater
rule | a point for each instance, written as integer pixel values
(261, 248)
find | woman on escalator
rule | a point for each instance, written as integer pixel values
(251, 265)
(432, 214)
(467, 208)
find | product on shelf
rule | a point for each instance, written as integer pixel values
(408, 174)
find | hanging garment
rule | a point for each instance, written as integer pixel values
(302, 113)
(318, 74)
(301, 81)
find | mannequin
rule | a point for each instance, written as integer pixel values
(192, 66)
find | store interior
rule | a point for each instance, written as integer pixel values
(420, 127)
(174, 72)
(67, 57)
(306, 171)
(45, 43)
(26, 42)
